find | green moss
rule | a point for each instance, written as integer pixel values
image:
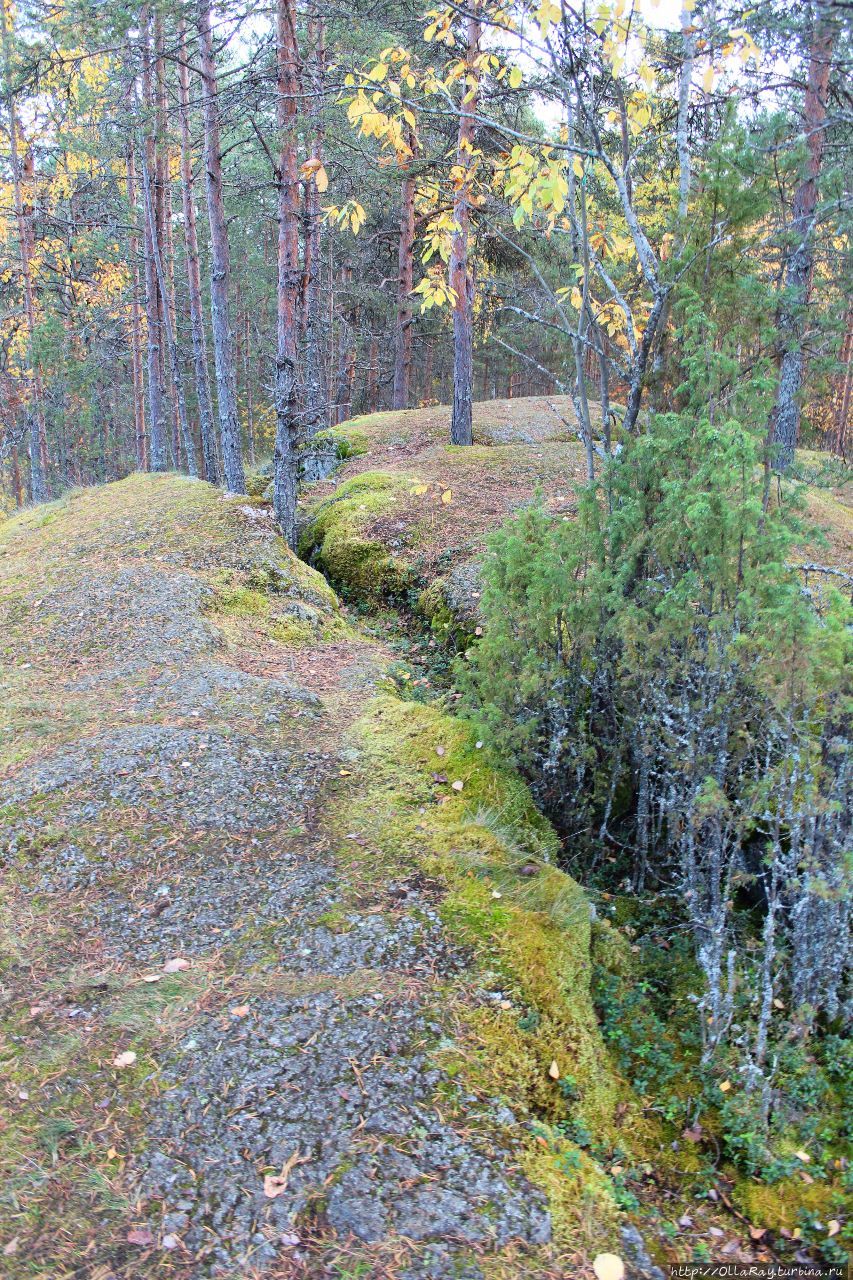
(530, 935)
(348, 440)
(781, 1205)
(340, 540)
(259, 480)
(243, 601)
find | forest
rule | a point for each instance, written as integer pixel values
(426, 590)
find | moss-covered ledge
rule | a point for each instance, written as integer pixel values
(339, 539)
(427, 799)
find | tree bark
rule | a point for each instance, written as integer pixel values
(171, 342)
(311, 325)
(199, 339)
(39, 488)
(461, 277)
(842, 413)
(220, 266)
(785, 420)
(405, 280)
(156, 437)
(140, 440)
(285, 458)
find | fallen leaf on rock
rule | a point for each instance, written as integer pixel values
(140, 1235)
(240, 1010)
(609, 1266)
(176, 965)
(275, 1183)
(554, 1073)
(125, 1059)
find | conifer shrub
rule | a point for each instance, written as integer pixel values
(678, 695)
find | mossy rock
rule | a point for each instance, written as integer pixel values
(338, 537)
(528, 925)
(348, 439)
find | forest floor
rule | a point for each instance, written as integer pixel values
(242, 918)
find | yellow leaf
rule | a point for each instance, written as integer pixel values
(418, 489)
(833, 1227)
(608, 1266)
(577, 165)
(803, 1155)
(554, 1070)
(322, 180)
(515, 77)
(725, 1086)
(708, 79)
(378, 73)
(447, 497)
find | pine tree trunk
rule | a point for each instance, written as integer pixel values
(372, 389)
(140, 440)
(842, 414)
(39, 488)
(405, 279)
(785, 419)
(199, 339)
(156, 438)
(220, 267)
(311, 323)
(171, 341)
(461, 278)
(286, 454)
(17, 483)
